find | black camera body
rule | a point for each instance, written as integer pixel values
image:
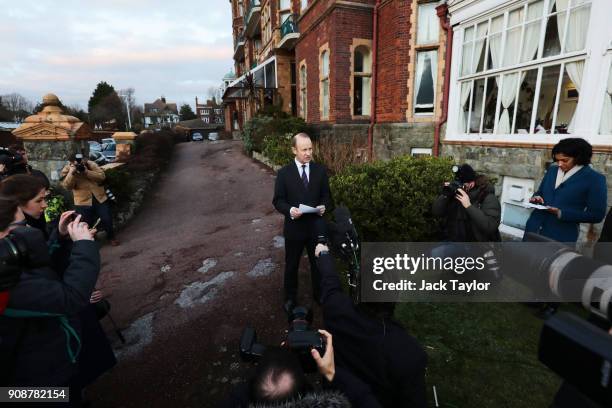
(13, 258)
(301, 338)
(450, 190)
(14, 163)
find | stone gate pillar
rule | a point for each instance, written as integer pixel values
(50, 138)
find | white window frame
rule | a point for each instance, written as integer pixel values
(587, 116)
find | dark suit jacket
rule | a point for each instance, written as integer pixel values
(289, 191)
(582, 198)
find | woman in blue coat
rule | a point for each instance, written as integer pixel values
(573, 192)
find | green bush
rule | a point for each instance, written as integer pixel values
(278, 148)
(120, 182)
(268, 123)
(391, 201)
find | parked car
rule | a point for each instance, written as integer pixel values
(197, 137)
(98, 158)
(213, 136)
(108, 140)
(94, 146)
(109, 151)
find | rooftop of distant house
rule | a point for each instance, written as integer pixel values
(160, 106)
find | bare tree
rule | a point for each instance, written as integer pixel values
(127, 96)
(18, 105)
(213, 94)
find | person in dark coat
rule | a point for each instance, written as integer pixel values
(474, 213)
(300, 182)
(40, 326)
(573, 192)
(370, 344)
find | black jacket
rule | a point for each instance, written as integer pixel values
(34, 350)
(477, 223)
(379, 352)
(289, 191)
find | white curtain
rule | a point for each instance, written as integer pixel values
(420, 72)
(495, 41)
(508, 94)
(466, 87)
(606, 115)
(427, 24)
(532, 31)
(577, 27)
(433, 56)
(574, 70)
(481, 31)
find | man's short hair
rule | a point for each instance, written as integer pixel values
(298, 135)
(278, 378)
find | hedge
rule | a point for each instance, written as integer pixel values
(391, 201)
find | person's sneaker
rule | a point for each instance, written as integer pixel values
(114, 242)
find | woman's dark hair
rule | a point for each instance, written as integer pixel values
(22, 187)
(8, 208)
(579, 149)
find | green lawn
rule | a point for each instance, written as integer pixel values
(481, 355)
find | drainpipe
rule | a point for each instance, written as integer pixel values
(442, 11)
(373, 85)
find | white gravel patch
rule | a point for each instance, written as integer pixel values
(137, 337)
(278, 241)
(263, 268)
(207, 265)
(202, 292)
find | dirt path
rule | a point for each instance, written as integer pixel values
(201, 261)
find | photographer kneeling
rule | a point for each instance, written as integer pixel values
(370, 344)
(39, 330)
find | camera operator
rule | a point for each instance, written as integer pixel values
(370, 344)
(471, 210)
(279, 381)
(84, 178)
(14, 160)
(39, 330)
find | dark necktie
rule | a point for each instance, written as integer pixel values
(304, 176)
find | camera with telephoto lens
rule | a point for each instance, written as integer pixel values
(578, 350)
(301, 339)
(13, 162)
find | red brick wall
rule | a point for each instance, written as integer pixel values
(338, 30)
(392, 61)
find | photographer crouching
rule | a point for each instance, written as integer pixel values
(39, 329)
(84, 178)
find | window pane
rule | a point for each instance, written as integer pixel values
(530, 41)
(468, 34)
(513, 46)
(466, 58)
(546, 101)
(490, 105)
(525, 101)
(478, 59)
(575, 38)
(326, 98)
(358, 96)
(515, 17)
(535, 10)
(285, 4)
(304, 4)
(425, 81)
(358, 61)
(366, 95)
(508, 103)
(552, 44)
(325, 64)
(270, 75)
(606, 116)
(476, 111)
(427, 24)
(570, 88)
(466, 90)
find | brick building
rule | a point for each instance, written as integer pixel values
(344, 76)
(210, 112)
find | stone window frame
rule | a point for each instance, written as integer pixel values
(303, 90)
(440, 47)
(356, 43)
(322, 78)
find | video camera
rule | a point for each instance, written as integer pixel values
(578, 350)
(301, 338)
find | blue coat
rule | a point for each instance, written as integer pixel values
(581, 198)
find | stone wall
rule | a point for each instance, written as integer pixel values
(398, 139)
(50, 157)
(342, 133)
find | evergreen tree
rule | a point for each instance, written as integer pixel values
(186, 113)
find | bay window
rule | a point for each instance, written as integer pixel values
(521, 70)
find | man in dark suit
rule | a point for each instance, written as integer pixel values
(300, 182)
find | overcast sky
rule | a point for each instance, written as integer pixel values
(178, 48)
